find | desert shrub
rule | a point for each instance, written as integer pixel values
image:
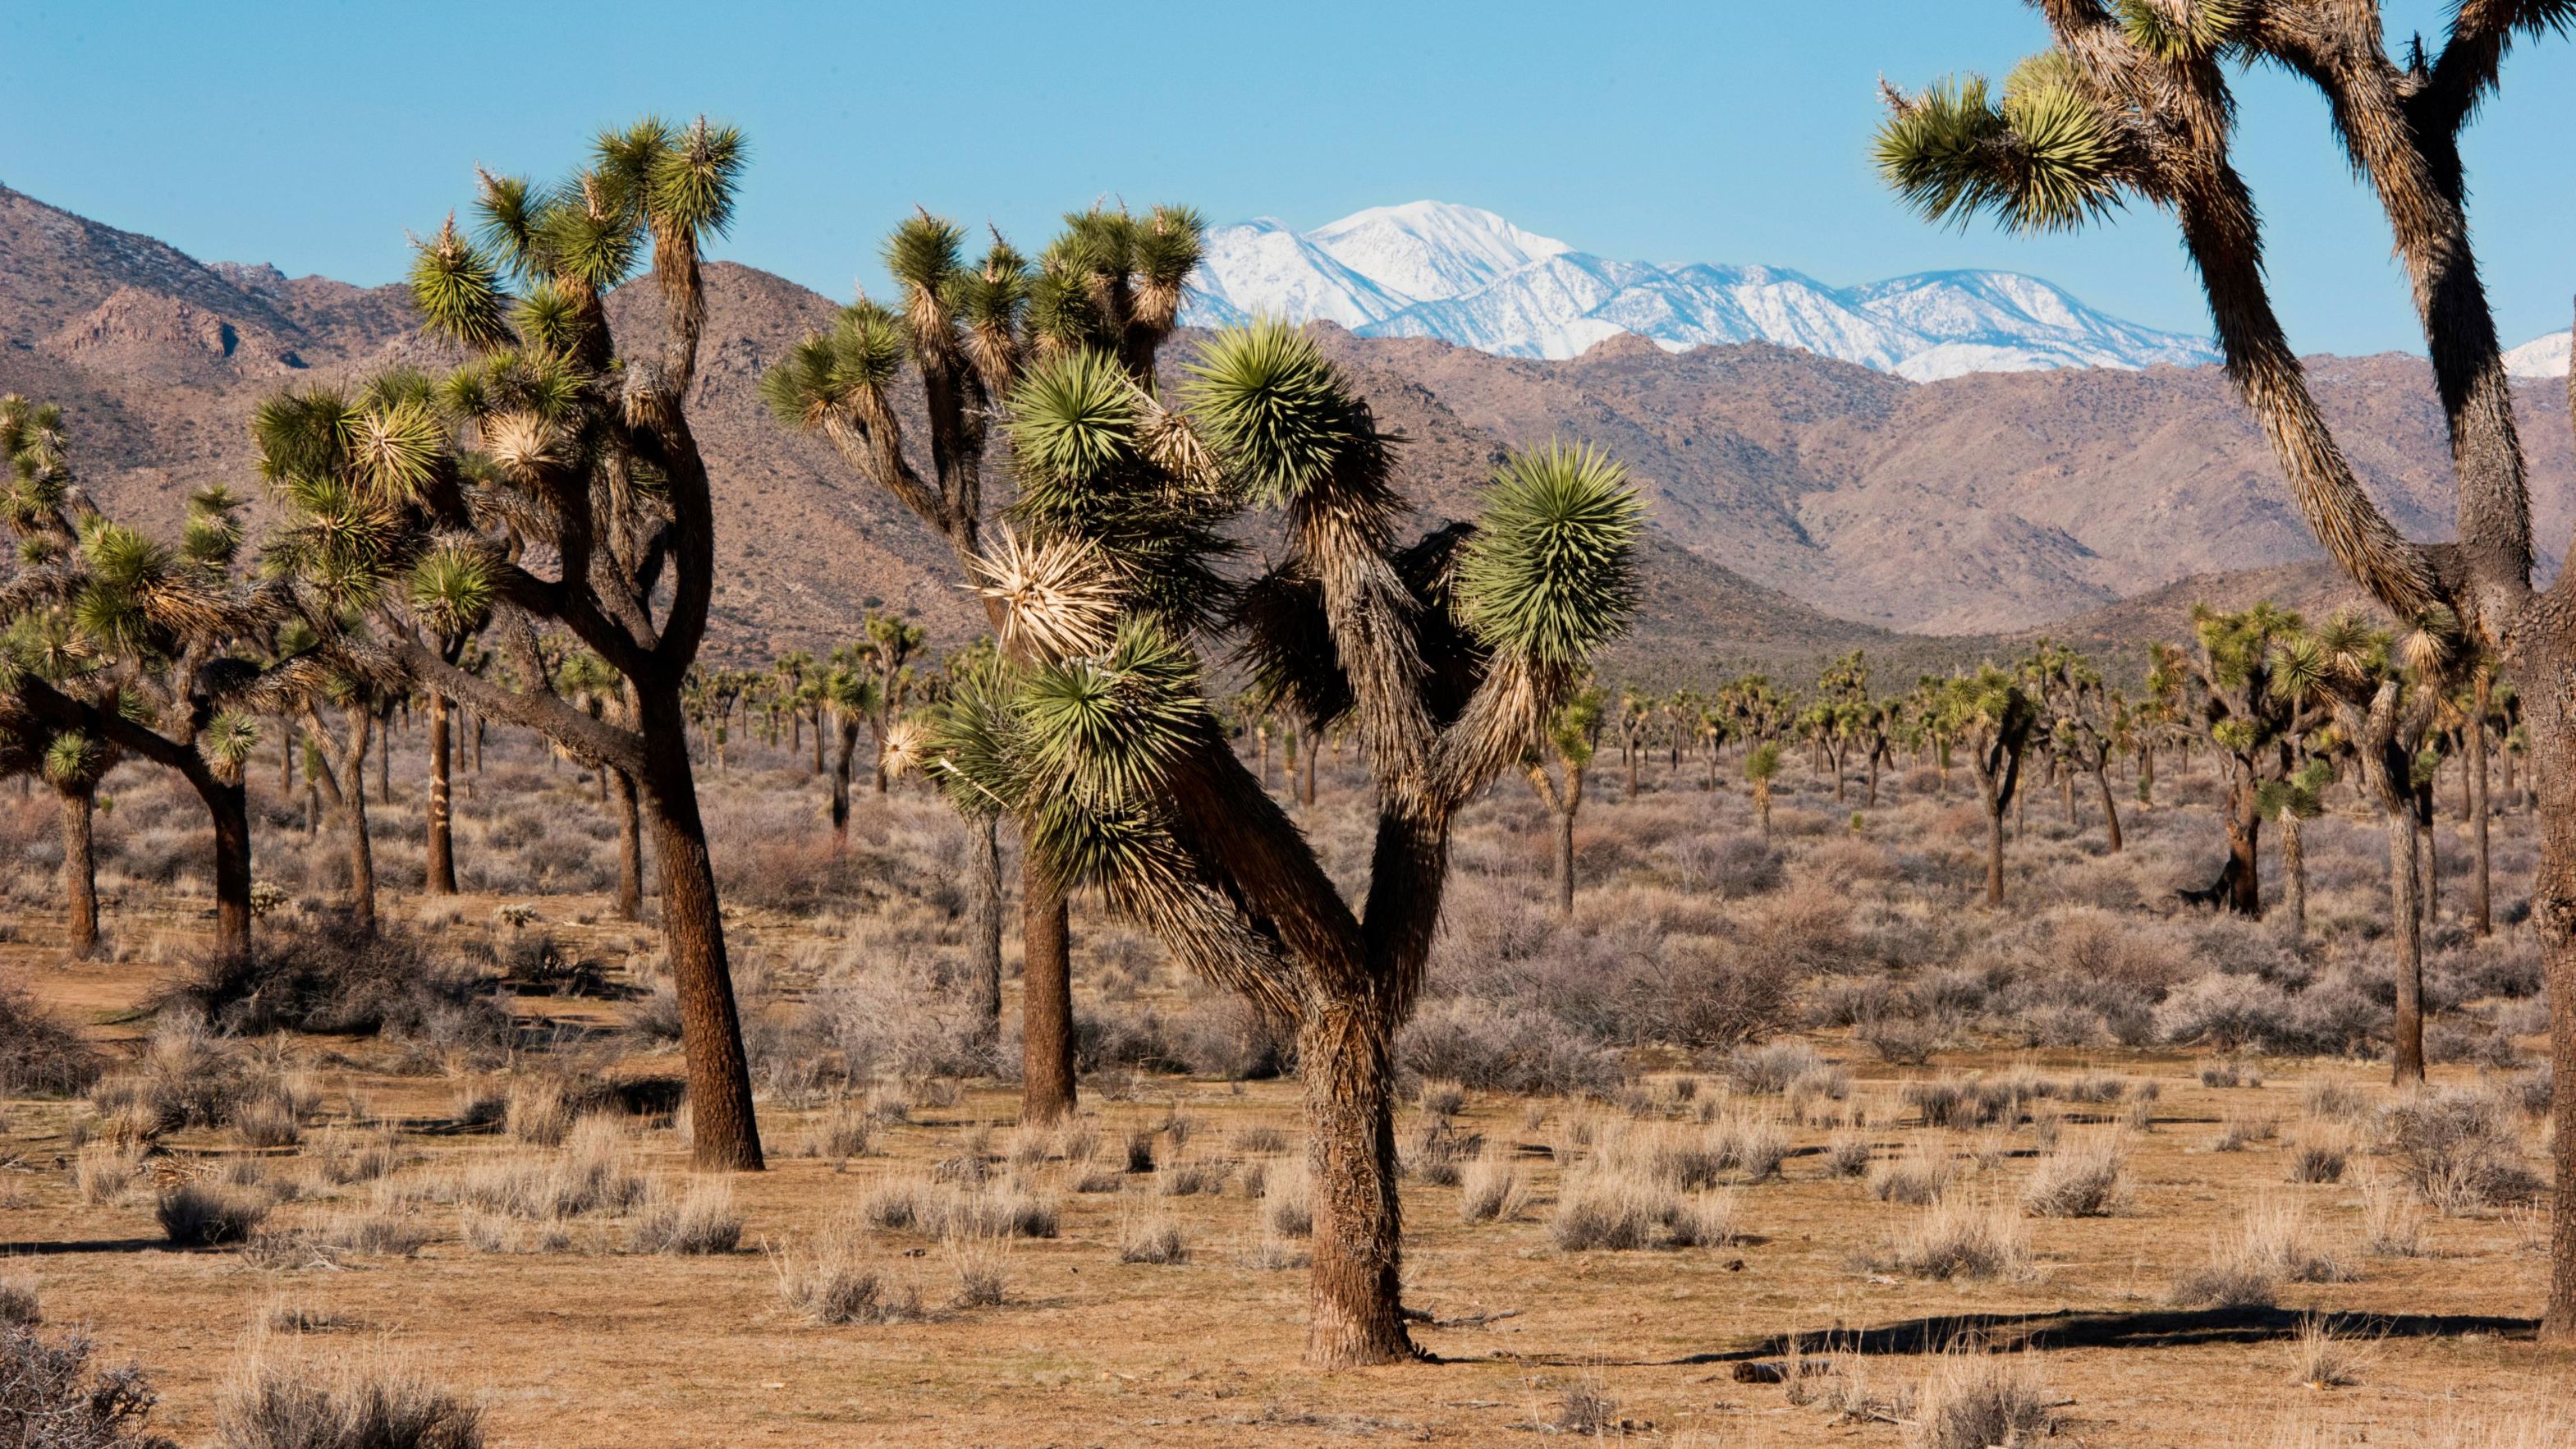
(39, 1056)
(831, 1285)
(2319, 1157)
(102, 1171)
(2273, 1243)
(378, 1234)
(538, 1113)
(1974, 1400)
(2458, 1149)
(1497, 1048)
(593, 1173)
(21, 1306)
(1222, 1035)
(1620, 1209)
(1768, 1070)
(906, 1018)
(981, 1262)
(271, 1405)
(1847, 1155)
(186, 1078)
(329, 978)
(1917, 1179)
(1491, 1190)
(201, 1215)
(839, 1131)
(1156, 1239)
(52, 1398)
(2083, 1182)
(701, 1221)
(1958, 1239)
(1713, 995)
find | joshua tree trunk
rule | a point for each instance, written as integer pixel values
(724, 1134)
(1994, 854)
(1631, 755)
(2481, 918)
(228, 808)
(80, 872)
(2243, 877)
(849, 744)
(1762, 805)
(1046, 997)
(442, 845)
(2405, 926)
(2550, 775)
(2432, 862)
(2146, 774)
(1311, 753)
(1354, 1304)
(384, 764)
(630, 848)
(2294, 870)
(1869, 800)
(984, 925)
(2110, 807)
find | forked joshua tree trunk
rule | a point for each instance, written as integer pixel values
(2294, 868)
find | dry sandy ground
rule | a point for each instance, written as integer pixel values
(596, 1346)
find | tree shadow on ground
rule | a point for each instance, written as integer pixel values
(2067, 1329)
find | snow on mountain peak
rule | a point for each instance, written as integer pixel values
(1469, 277)
(1432, 250)
(2540, 357)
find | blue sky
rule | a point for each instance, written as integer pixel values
(314, 134)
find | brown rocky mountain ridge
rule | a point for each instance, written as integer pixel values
(1800, 506)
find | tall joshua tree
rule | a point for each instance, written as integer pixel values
(2135, 100)
(554, 479)
(1110, 284)
(1761, 768)
(1993, 716)
(1572, 737)
(1446, 657)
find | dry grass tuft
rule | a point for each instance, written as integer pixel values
(2088, 1181)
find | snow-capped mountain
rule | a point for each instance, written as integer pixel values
(2540, 357)
(1433, 269)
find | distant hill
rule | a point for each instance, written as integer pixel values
(1801, 506)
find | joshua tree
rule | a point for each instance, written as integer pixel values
(1572, 736)
(2383, 715)
(435, 501)
(2085, 722)
(1991, 714)
(1761, 767)
(1112, 284)
(2256, 724)
(2135, 99)
(1446, 657)
(166, 643)
(1636, 716)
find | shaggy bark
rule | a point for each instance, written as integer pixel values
(80, 871)
(442, 844)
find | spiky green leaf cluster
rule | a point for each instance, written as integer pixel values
(452, 590)
(2040, 160)
(1266, 399)
(840, 374)
(2178, 31)
(1551, 573)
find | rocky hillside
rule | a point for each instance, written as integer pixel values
(1800, 505)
